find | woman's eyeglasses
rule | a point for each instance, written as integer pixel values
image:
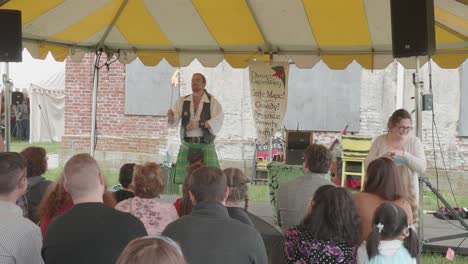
(403, 129)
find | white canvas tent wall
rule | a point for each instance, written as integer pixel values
(43, 81)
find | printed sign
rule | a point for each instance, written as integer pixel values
(269, 93)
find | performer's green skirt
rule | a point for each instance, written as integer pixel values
(209, 157)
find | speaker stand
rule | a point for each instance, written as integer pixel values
(7, 94)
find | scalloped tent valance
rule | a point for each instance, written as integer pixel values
(304, 31)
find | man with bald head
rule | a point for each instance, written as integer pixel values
(90, 232)
(20, 239)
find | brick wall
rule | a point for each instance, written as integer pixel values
(116, 131)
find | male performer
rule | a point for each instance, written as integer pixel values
(202, 117)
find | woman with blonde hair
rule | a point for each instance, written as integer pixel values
(148, 184)
(152, 249)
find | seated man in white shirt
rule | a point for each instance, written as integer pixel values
(21, 240)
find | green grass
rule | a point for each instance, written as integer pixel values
(258, 193)
(428, 258)
(430, 200)
(50, 147)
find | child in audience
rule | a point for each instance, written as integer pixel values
(183, 205)
(125, 178)
(329, 231)
(152, 249)
(392, 240)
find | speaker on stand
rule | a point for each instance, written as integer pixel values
(413, 32)
(11, 48)
(296, 143)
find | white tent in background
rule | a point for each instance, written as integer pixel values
(43, 81)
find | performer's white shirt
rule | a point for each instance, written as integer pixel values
(217, 115)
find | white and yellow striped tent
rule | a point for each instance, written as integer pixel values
(304, 31)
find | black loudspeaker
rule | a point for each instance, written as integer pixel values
(298, 139)
(296, 143)
(413, 32)
(17, 98)
(11, 45)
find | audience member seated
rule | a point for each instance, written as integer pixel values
(392, 240)
(58, 201)
(36, 160)
(152, 249)
(383, 184)
(208, 235)
(90, 232)
(237, 204)
(293, 195)
(183, 205)
(148, 184)
(20, 239)
(328, 233)
(125, 178)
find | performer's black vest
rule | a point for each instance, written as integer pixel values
(204, 116)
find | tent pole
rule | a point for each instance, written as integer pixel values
(7, 94)
(418, 117)
(94, 106)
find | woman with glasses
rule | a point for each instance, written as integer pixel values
(405, 150)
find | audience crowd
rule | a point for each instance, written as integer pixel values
(77, 220)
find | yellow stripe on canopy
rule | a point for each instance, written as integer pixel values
(444, 37)
(337, 23)
(138, 27)
(229, 22)
(153, 59)
(450, 61)
(91, 24)
(449, 19)
(242, 61)
(340, 62)
(59, 53)
(31, 9)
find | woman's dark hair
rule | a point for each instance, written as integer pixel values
(334, 216)
(238, 188)
(126, 174)
(185, 207)
(384, 180)
(390, 220)
(36, 159)
(396, 117)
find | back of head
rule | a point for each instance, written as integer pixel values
(317, 158)
(148, 250)
(148, 180)
(333, 216)
(390, 221)
(81, 175)
(237, 183)
(36, 160)
(382, 179)
(208, 184)
(126, 174)
(12, 167)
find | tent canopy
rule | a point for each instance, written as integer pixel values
(304, 31)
